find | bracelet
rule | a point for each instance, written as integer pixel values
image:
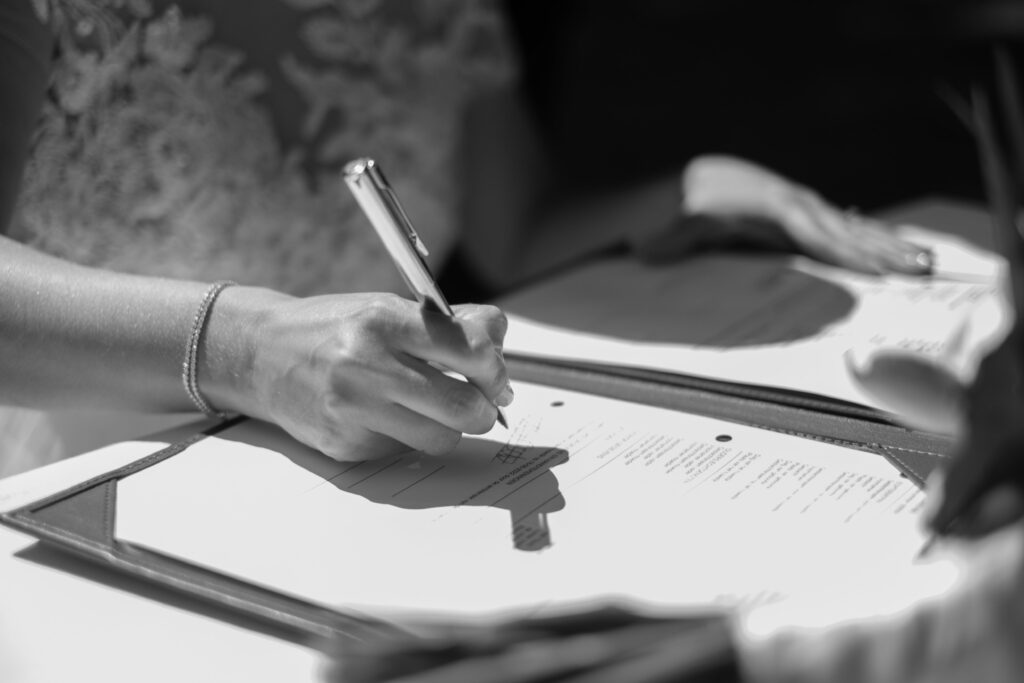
(188, 367)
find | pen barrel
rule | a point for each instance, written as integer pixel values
(379, 203)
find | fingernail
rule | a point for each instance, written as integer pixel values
(921, 259)
(505, 397)
(859, 360)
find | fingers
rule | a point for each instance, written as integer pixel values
(354, 375)
(354, 444)
(894, 254)
(980, 490)
(922, 393)
(416, 431)
(448, 401)
(1001, 507)
(391, 429)
(413, 406)
(957, 490)
(731, 187)
(414, 402)
(821, 233)
(849, 240)
(470, 344)
(728, 186)
(992, 452)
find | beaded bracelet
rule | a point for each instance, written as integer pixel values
(189, 366)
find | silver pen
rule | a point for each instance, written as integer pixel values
(380, 204)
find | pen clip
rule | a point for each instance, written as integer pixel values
(380, 204)
(401, 218)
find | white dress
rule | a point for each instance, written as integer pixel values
(203, 140)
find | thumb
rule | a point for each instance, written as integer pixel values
(979, 491)
(921, 393)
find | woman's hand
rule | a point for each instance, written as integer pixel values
(727, 200)
(355, 376)
(971, 391)
(980, 488)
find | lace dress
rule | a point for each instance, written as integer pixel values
(204, 139)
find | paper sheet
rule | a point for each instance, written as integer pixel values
(585, 498)
(772, 321)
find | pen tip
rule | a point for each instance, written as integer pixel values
(926, 549)
(502, 420)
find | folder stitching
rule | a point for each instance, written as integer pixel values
(117, 554)
(119, 473)
(126, 470)
(860, 445)
(911, 450)
(60, 533)
(872, 447)
(631, 385)
(109, 512)
(904, 464)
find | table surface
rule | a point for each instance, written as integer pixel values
(66, 618)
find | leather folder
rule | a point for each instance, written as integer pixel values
(81, 519)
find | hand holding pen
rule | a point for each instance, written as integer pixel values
(381, 206)
(984, 485)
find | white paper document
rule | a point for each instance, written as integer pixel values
(769, 321)
(584, 498)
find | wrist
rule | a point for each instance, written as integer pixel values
(227, 349)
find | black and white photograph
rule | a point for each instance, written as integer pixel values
(510, 341)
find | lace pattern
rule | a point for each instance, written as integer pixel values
(159, 151)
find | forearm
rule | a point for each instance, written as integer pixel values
(353, 375)
(73, 336)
